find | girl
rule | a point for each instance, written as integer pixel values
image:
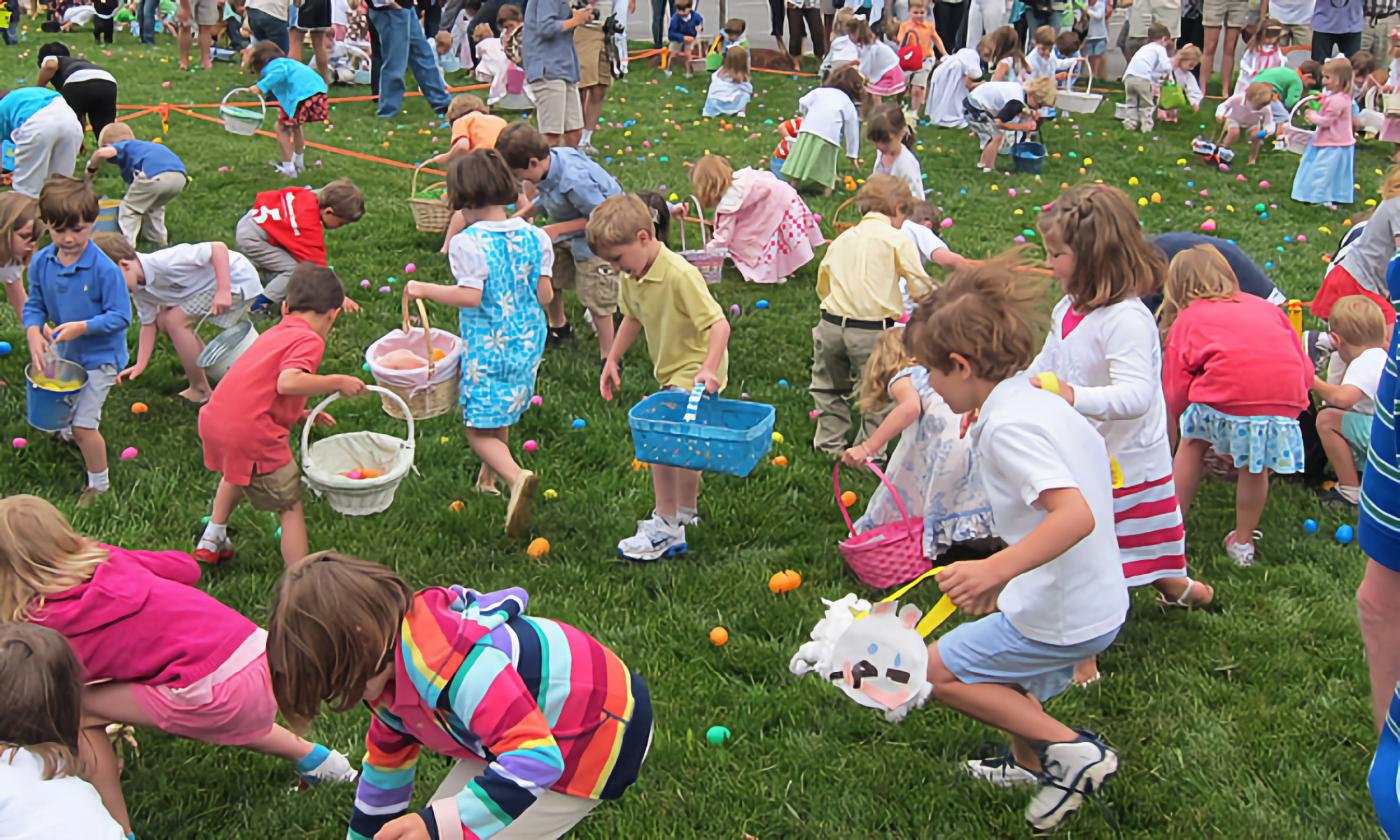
(1390, 131)
(879, 63)
(502, 265)
(1263, 53)
(762, 221)
(41, 791)
(473, 127)
(1003, 55)
(1236, 378)
(892, 137)
(20, 228)
(301, 94)
(495, 66)
(730, 87)
(843, 51)
(542, 720)
(828, 115)
(1184, 65)
(933, 467)
(1325, 174)
(46, 134)
(208, 680)
(1360, 268)
(88, 89)
(1104, 349)
(948, 85)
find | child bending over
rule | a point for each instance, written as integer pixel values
(1250, 110)
(994, 108)
(473, 127)
(301, 96)
(287, 227)
(829, 115)
(154, 175)
(1358, 336)
(766, 227)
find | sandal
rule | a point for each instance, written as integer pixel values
(486, 482)
(1184, 600)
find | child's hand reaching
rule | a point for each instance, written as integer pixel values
(609, 379)
(1064, 389)
(349, 386)
(130, 374)
(973, 586)
(407, 827)
(223, 302)
(350, 306)
(68, 331)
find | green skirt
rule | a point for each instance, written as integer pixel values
(813, 159)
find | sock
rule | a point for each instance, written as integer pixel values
(299, 160)
(672, 522)
(214, 536)
(687, 514)
(99, 482)
(287, 164)
(313, 759)
(1351, 494)
(587, 136)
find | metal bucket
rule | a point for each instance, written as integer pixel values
(220, 354)
(107, 216)
(50, 408)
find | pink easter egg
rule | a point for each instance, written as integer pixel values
(1239, 179)
(410, 268)
(537, 400)
(946, 223)
(1224, 167)
(1011, 192)
(223, 169)
(364, 284)
(1204, 193)
(1263, 185)
(1018, 239)
(19, 443)
(1208, 226)
(129, 453)
(1302, 237)
(1190, 203)
(813, 414)
(531, 445)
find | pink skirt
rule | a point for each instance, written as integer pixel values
(1390, 130)
(1151, 534)
(890, 84)
(233, 706)
(784, 250)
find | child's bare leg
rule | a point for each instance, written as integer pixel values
(1087, 671)
(298, 141)
(554, 311)
(490, 445)
(455, 225)
(687, 484)
(226, 498)
(104, 704)
(1187, 468)
(1329, 433)
(294, 540)
(1231, 135)
(916, 99)
(1251, 493)
(606, 329)
(665, 482)
(989, 152)
(1377, 602)
(176, 324)
(94, 448)
(284, 142)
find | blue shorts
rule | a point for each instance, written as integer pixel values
(990, 650)
(1095, 46)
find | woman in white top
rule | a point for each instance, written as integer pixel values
(952, 78)
(892, 137)
(829, 116)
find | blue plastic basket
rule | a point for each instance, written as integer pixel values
(710, 434)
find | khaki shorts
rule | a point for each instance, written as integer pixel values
(1230, 14)
(593, 281)
(1298, 34)
(277, 491)
(593, 65)
(87, 409)
(557, 106)
(206, 12)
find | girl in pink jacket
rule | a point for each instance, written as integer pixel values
(154, 650)
(1325, 174)
(759, 218)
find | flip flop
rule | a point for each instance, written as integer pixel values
(1184, 600)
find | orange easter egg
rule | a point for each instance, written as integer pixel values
(719, 636)
(456, 506)
(538, 547)
(848, 499)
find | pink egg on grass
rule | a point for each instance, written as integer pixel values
(19, 443)
(129, 453)
(410, 268)
(531, 445)
(813, 414)
(223, 169)
(364, 284)
(1263, 185)
(1208, 226)
(537, 400)
(1240, 179)
(1302, 237)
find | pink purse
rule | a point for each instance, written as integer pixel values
(889, 554)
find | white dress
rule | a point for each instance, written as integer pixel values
(947, 89)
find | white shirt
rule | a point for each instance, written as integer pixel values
(724, 89)
(876, 60)
(1150, 63)
(35, 808)
(1236, 110)
(1041, 65)
(1029, 441)
(1113, 358)
(1291, 11)
(1364, 372)
(830, 114)
(340, 13)
(469, 265)
(1098, 21)
(842, 51)
(176, 273)
(993, 96)
(927, 242)
(906, 168)
(1189, 86)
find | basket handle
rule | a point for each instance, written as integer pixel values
(413, 184)
(700, 213)
(1088, 85)
(879, 473)
(427, 333)
(1298, 107)
(842, 206)
(692, 405)
(262, 103)
(332, 397)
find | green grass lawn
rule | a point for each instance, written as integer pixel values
(1249, 720)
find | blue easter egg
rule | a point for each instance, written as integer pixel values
(5, 348)
(1269, 264)
(1344, 534)
(1310, 526)
(762, 304)
(782, 383)
(579, 423)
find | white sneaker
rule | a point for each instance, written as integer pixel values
(1072, 770)
(286, 169)
(335, 769)
(1241, 553)
(1002, 771)
(587, 149)
(654, 540)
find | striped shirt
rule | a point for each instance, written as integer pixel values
(545, 705)
(1379, 530)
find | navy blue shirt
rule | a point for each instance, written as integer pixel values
(1252, 279)
(150, 159)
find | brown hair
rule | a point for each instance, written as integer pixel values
(1258, 95)
(711, 176)
(466, 103)
(887, 123)
(735, 65)
(263, 53)
(1113, 261)
(442, 41)
(115, 133)
(40, 697)
(1044, 36)
(1341, 68)
(66, 203)
(519, 143)
(1003, 43)
(1358, 320)
(735, 26)
(40, 554)
(342, 198)
(314, 288)
(115, 246)
(884, 194)
(660, 214)
(1313, 69)
(509, 13)
(480, 179)
(1262, 31)
(334, 627)
(16, 211)
(617, 221)
(849, 81)
(1157, 31)
(990, 313)
(1067, 42)
(859, 31)
(1362, 63)
(924, 213)
(1198, 273)
(888, 357)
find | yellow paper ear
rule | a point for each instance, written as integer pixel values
(1048, 382)
(1116, 471)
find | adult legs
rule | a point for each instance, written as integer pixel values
(1212, 39)
(431, 14)
(815, 27)
(796, 29)
(948, 22)
(147, 18)
(392, 50)
(423, 61)
(661, 11)
(1377, 606)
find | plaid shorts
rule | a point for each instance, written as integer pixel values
(315, 109)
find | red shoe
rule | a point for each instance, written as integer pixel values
(212, 557)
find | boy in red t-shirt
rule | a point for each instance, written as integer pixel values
(246, 424)
(287, 227)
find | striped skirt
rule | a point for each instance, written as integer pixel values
(1151, 534)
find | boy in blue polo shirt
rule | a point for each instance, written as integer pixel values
(78, 310)
(153, 174)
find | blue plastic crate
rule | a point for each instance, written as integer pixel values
(725, 436)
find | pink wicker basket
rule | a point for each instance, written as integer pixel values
(889, 554)
(709, 261)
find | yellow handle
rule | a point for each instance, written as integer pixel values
(935, 617)
(1295, 316)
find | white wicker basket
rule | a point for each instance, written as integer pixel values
(239, 120)
(1071, 100)
(1295, 139)
(323, 462)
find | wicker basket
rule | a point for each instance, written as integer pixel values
(836, 224)
(1295, 139)
(242, 121)
(323, 463)
(710, 262)
(1071, 100)
(429, 216)
(432, 401)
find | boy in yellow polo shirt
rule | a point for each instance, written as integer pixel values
(663, 296)
(858, 283)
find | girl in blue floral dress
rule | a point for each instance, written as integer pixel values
(502, 266)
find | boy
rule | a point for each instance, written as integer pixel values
(1149, 66)
(301, 98)
(918, 221)
(246, 423)
(154, 175)
(919, 28)
(1290, 85)
(1248, 110)
(734, 36)
(570, 186)
(78, 309)
(175, 287)
(683, 36)
(664, 297)
(1357, 333)
(858, 283)
(287, 227)
(1057, 589)
(994, 108)
(1068, 58)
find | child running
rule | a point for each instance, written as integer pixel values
(730, 87)
(301, 97)
(502, 266)
(829, 116)
(894, 141)
(1357, 333)
(918, 29)
(154, 175)
(1325, 174)
(763, 223)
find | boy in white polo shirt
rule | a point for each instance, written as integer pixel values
(1056, 594)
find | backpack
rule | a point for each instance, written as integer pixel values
(911, 53)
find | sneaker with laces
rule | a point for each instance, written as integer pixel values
(654, 540)
(334, 769)
(1002, 771)
(1241, 553)
(1072, 770)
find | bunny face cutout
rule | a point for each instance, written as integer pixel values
(883, 661)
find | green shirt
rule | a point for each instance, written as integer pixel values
(1286, 83)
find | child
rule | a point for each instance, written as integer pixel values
(1290, 85)
(155, 650)
(665, 298)
(78, 309)
(683, 36)
(46, 134)
(730, 88)
(473, 127)
(1250, 110)
(994, 108)
(445, 55)
(1325, 174)
(919, 29)
(1041, 59)
(1263, 53)
(879, 63)
(787, 133)
(542, 720)
(893, 139)
(1068, 57)
(732, 36)
(1390, 130)
(933, 468)
(1144, 74)
(287, 227)
(829, 116)
(760, 220)
(1057, 591)
(1003, 54)
(20, 228)
(570, 187)
(948, 87)
(502, 267)
(154, 175)
(1096, 36)
(1358, 335)
(858, 283)
(1184, 65)
(918, 220)
(842, 50)
(495, 67)
(300, 93)
(42, 793)
(246, 423)
(1236, 378)
(175, 288)
(1359, 267)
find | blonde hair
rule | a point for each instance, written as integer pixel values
(1189, 55)
(1044, 36)
(844, 15)
(1341, 68)
(711, 176)
(859, 31)
(1198, 273)
(16, 211)
(888, 357)
(482, 32)
(466, 103)
(1258, 94)
(40, 555)
(918, 4)
(1113, 261)
(1390, 183)
(115, 133)
(735, 65)
(1042, 88)
(617, 221)
(1358, 320)
(884, 194)
(442, 41)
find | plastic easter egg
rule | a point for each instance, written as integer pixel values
(1344, 534)
(782, 383)
(848, 499)
(531, 445)
(364, 284)
(579, 423)
(718, 735)
(550, 494)
(5, 349)
(410, 268)
(19, 443)
(129, 453)
(760, 304)
(538, 547)
(719, 636)
(537, 400)
(1310, 526)
(946, 223)
(139, 408)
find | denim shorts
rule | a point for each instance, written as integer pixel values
(1095, 46)
(990, 650)
(265, 27)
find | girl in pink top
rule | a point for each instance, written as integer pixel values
(156, 651)
(1236, 378)
(759, 218)
(1325, 173)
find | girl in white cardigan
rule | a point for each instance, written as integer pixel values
(1105, 351)
(829, 117)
